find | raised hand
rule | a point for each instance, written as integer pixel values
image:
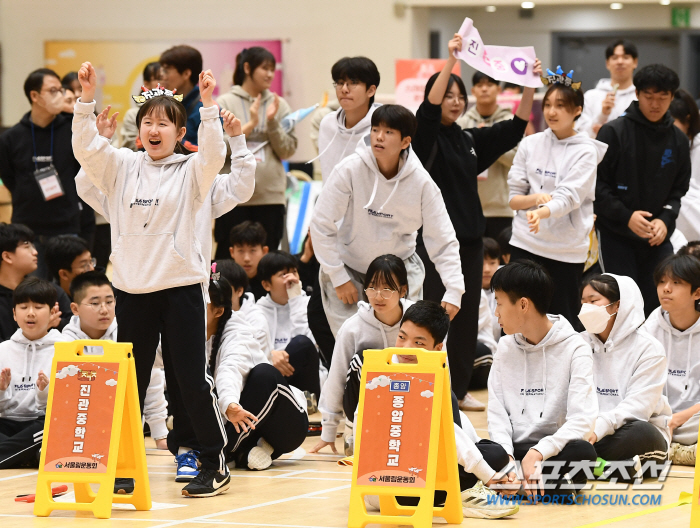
(106, 126)
(5, 378)
(455, 44)
(55, 318)
(272, 109)
(207, 83)
(42, 381)
(232, 125)
(88, 81)
(537, 67)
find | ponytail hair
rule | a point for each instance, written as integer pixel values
(220, 296)
(255, 57)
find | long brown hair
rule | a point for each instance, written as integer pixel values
(173, 110)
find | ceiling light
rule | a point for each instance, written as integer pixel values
(490, 9)
(616, 5)
(665, 2)
(527, 5)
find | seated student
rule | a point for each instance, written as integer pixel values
(425, 325)
(247, 248)
(675, 324)
(629, 371)
(25, 367)
(66, 257)
(374, 326)
(492, 261)
(504, 243)
(266, 417)
(383, 195)
(244, 303)
(93, 310)
(486, 347)
(542, 401)
(294, 353)
(18, 258)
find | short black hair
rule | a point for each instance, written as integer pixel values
(397, 117)
(234, 274)
(248, 234)
(183, 58)
(454, 78)
(480, 76)
(525, 278)
(151, 71)
(359, 69)
(273, 263)
(255, 57)
(61, 251)
(629, 47)
(657, 78)
(684, 109)
(510, 86)
(606, 285)
(388, 269)
(12, 235)
(35, 81)
(692, 248)
(69, 78)
(431, 316)
(492, 249)
(504, 240)
(683, 267)
(82, 282)
(36, 290)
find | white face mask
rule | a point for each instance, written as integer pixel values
(594, 318)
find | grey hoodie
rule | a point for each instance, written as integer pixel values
(629, 369)
(381, 216)
(22, 400)
(542, 393)
(362, 331)
(152, 204)
(336, 142)
(73, 331)
(566, 169)
(255, 316)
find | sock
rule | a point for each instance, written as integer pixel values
(183, 450)
(599, 467)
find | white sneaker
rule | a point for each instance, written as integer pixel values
(682, 455)
(481, 502)
(470, 403)
(260, 457)
(372, 502)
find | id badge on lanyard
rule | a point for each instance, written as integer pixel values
(46, 177)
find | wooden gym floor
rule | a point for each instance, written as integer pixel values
(307, 491)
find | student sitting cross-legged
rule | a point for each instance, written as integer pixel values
(25, 367)
(629, 370)
(542, 401)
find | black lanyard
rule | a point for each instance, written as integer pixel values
(36, 165)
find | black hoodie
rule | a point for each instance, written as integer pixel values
(454, 157)
(8, 325)
(57, 216)
(646, 168)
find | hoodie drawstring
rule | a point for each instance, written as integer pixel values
(374, 192)
(544, 382)
(396, 186)
(31, 365)
(687, 366)
(152, 206)
(329, 146)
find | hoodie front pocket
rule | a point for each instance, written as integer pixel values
(142, 261)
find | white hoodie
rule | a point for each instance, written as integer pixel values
(566, 169)
(255, 316)
(73, 330)
(336, 142)
(152, 204)
(688, 221)
(286, 321)
(542, 393)
(227, 191)
(629, 369)
(383, 216)
(486, 333)
(22, 400)
(363, 331)
(593, 105)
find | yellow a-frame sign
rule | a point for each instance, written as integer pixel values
(404, 440)
(93, 431)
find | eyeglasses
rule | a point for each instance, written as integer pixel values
(97, 305)
(89, 265)
(351, 84)
(54, 91)
(386, 293)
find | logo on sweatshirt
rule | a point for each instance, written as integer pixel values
(24, 386)
(676, 372)
(532, 392)
(280, 343)
(607, 392)
(144, 203)
(379, 214)
(667, 157)
(473, 152)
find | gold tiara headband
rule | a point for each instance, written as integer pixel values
(155, 92)
(558, 77)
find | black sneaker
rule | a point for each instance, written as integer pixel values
(208, 483)
(123, 486)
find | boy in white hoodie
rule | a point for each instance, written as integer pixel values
(383, 195)
(676, 324)
(294, 353)
(629, 370)
(542, 401)
(25, 367)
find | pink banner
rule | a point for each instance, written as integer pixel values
(503, 63)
